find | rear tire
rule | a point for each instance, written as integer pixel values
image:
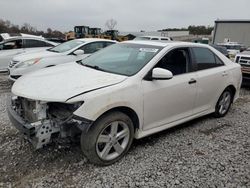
(108, 139)
(223, 105)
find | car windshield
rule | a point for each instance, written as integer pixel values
(124, 58)
(66, 46)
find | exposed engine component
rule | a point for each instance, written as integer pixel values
(43, 121)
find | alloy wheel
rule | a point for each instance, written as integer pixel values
(113, 140)
(225, 102)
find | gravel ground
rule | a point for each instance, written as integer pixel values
(206, 152)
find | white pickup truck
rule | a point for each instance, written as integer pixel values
(244, 60)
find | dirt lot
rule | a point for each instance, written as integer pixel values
(207, 152)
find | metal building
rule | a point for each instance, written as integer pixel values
(234, 30)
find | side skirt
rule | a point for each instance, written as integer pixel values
(140, 133)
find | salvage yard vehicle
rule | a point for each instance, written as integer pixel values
(221, 49)
(14, 45)
(153, 38)
(128, 90)
(232, 47)
(73, 50)
(244, 60)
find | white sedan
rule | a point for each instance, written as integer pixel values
(129, 90)
(14, 45)
(73, 50)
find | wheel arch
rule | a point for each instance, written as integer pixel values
(128, 111)
(232, 89)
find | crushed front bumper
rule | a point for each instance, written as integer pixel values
(41, 132)
(18, 122)
(38, 133)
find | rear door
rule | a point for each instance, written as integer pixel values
(166, 101)
(212, 77)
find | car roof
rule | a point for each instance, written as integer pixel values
(166, 43)
(94, 40)
(154, 36)
(35, 38)
(9, 36)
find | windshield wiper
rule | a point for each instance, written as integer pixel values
(51, 50)
(93, 67)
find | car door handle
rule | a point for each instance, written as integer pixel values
(192, 81)
(224, 73)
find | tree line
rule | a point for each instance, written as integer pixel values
(194, 30)
(7, 27)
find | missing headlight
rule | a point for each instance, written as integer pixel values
(62, 111)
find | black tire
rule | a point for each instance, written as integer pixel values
(89, 139)
(218, 113)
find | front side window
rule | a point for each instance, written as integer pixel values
(14, 44)
(93, 47)
(48, 44)
(175, 61)
(142, 38)
(164, 39)
(124, 59)
(205, 58)
(108, 43)
(66, 46)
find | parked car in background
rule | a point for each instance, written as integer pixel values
(6, 36)
(153, 38)
(244, 60)
(232, 47)
(14, 45)
(73, 50)
(221, 49)
(128, 90)
(57, 40)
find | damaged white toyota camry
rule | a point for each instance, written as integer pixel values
(125, 91)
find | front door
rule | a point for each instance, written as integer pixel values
(166, 101)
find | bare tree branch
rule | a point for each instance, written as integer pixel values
(110, 24)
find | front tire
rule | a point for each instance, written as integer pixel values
(223, 105)
(108, 139)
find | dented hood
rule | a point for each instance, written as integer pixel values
(59, 83)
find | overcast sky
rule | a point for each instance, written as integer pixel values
(131, 15)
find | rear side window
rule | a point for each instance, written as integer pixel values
(206, 59)
(31, 43)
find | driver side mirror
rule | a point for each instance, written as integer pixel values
(78, 52)
(161, 74)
